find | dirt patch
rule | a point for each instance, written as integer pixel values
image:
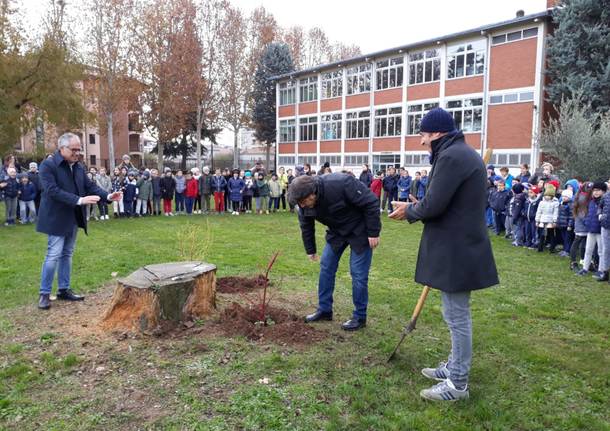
(281, 326)
(240, 284)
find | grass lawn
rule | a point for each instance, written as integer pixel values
(541, 348)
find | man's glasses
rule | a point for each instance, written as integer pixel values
(75, 150)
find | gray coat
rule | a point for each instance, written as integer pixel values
(455, 253)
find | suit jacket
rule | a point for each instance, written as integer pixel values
(62, 187)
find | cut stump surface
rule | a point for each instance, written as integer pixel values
(165, 292)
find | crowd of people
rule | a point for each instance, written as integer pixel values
(533, 211)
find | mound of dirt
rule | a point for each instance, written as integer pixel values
(281, 326)
(239, 284)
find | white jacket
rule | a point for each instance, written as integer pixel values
(548, 211)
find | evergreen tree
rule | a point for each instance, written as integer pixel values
(578, 53)
(276, 60)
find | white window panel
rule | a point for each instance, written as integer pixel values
(331, 126)
(389, 73)
(424, 66)
(287, 93)
(388, 121)
(415, 113)
(308, 129)
(357, 124)
(332, 84)
(287, 130)
(308, 89)
(359, 79)
(466, 59)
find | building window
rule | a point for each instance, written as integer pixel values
(308, 129)
(425, 66)
(91, 139)
(525, 96)
(355, 160)
(332, 84)
(92, 159)
(286, 160)
(357, 124)
(288, 93)
(415, 114)
(287, 130)
(359, 79)
(510, 160)
(466, 59)
(420, 159)
(331, 126)
(334, 160)
(467, 113)
(514, 36)
(388, 121)
(389, 73)
(311, 160)
(381, 162)
(308, 89)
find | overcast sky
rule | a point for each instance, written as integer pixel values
(372, 25)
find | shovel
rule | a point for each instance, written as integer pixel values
(411, 325)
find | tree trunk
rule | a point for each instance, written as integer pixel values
(235, 149)
(199, 124)
(110, 133)
(267, 149)
(162, 293)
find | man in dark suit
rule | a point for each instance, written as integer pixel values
(351, 212)
(65, 192)
(455, 253)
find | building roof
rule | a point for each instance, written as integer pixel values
(545, 15)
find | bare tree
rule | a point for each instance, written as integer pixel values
(294, 37)
(340, 51)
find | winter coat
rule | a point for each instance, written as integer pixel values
(390, 183)
(205, 184)
(236, 187)
(376, 187)
(422, 185)
(508, 181)
(548, 211)
(180, 183)
(104, 182)
(12, 187)
(261, 188)
(219, 184)
(565, 219)
(27, 192)
(366, 178)
(498, 200)
(131, 192)
(156, 187)
(592, 219)
(518, 207)
(145, 189)
(275, 190)
(283, 179)
(168, 187)
(35, 179)
(579, 225)
(530, 209)
(192, 188)
(347, 208)
(455, 253)
(62, 187)
(414, 187)
(604, 207)
(525, 178)
(248, 187)
(404, 187)
(227, 178)
(118, 184)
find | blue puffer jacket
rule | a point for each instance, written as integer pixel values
(498, 200)
(530, 209)
(421, 187)
(592, 218)
(518, 207)
(565, 219)
(12, 187)
(404, 187)
(28, 192)
(605, 211)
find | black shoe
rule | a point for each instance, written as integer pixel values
(319, 315)
(68, 295)
(601, 276)
(44, 302)
(354, 324)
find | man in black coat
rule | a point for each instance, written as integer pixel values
(351, 212)
(66, 191)
(455, 253)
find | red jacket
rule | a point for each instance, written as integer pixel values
(376, 187)
(192, 188)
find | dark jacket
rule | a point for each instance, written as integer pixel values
(205, 184)
(236, 187)
(592, 219)
(12, 187)
(347, 207)
(27, 192)
(530, 209)
(498, 200)
(248, 187)
(604, 207)
(261, 188)
(565, 218)
(524, 178)
(168, 187)
(390, 183)
(156, 187)
(62, 187)
(219, 184)
(35, 179)
(455, 253)
(366, 178)
(518, 206)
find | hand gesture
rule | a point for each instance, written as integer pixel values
(400, 210)
(313, 257)
(116, 196)
(90, 200)
(373, 242)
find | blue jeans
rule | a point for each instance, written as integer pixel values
(179, 202)
(456, 312)
(359, 265)
(531, 233)
(59, 257)
(489, 217)
(518, 231)
(189, 204)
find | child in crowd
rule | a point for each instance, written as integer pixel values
(205, 189)
(404, 185)
(291, 178)
(604, 220)
(180, 188)
(130, 194)
(261, 193)
(10, 187)
(283, 179)
(236, 189)
(248, 192)
(219, 185)
(498, 201)
(376, 186)
(390, 188)
(422, 185)
(592, 222)
(27, 194)
(103, 181)
(529, 217)
(227, 176)
(517, 214)
(579, 212)
(191, 192)
(565, 222)
(197, 203)
(118, 185)
(168, 187)
(507, 177)
(145, 192)
(275, 191)
(155, 180)
(92, 210)
(546, 218)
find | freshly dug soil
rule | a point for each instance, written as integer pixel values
(283, 327)
(239, 284)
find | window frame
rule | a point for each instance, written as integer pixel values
(358, 77)
(281, 162)
(285, 89)
(467, 109)
(310, 127)
(334, 80)
(462, 51)
(311, 85)
(522, 96)
(412, 115)
(366, 124)
(332, 159)
(422, 157)
(364, 159)
(397, 68)
(388, 120)
(287, 134)
(502, 38)
(334, 123)
(311, 159)
(425, 59)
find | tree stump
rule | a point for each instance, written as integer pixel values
(166, 292)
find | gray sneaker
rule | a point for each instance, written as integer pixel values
(444, 391)
(439, 373)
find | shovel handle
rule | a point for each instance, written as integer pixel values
(420, 303)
